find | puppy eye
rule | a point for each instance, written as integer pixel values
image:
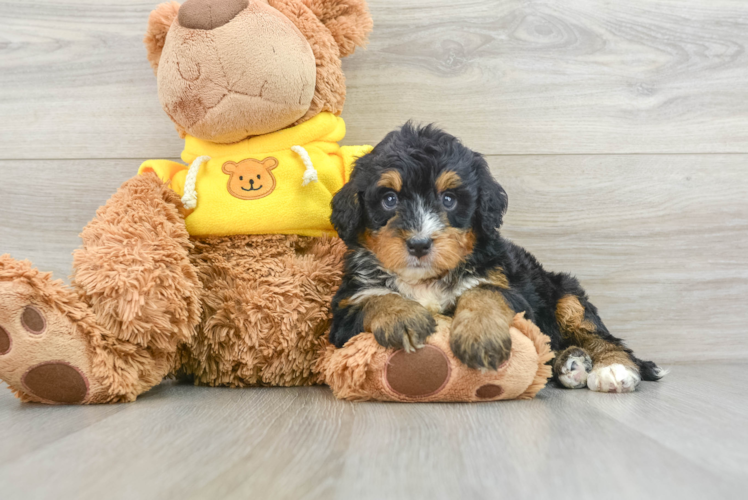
(449, 201)
(389, 201)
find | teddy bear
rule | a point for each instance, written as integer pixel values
(221, 269)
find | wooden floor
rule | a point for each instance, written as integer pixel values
(685, 437)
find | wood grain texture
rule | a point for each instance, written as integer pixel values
(513, 76)
(659, 241)
(680, 438)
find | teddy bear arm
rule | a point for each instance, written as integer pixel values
(134, 273)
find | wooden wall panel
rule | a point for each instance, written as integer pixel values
(659, 241)
(513, 76)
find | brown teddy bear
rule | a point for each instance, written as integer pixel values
(222, 268)
(225, 279)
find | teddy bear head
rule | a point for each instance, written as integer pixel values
(232, 69)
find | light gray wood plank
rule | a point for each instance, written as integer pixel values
(185, 442)
(659, 241)
(26, 429)
(512, 76)
(695, 396)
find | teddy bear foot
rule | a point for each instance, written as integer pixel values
(43, 357)
(364, 370)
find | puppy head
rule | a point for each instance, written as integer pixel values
(420, 201)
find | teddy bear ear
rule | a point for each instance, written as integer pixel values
(159, 23)
(349, 21)
(269, 163)
(229, 167)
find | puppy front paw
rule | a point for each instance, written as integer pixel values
(402, 324)
(613, 378)
(480, 341)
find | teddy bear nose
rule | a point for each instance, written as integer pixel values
(209, 14)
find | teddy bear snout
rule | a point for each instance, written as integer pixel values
(209, 14)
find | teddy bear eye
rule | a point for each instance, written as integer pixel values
(258, 176)
(241, 177)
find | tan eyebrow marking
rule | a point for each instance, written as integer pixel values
(448, 180)
(391, 179)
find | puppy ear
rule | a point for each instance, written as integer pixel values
(347, 213)
(492, 202)
(349, 21)
(159, 23)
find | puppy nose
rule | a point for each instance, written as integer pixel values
(209, 14)
(419, 247)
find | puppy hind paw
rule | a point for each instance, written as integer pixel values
(572, 368)
(613, 378)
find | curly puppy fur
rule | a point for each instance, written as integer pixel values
(421, 218)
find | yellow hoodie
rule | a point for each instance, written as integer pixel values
(279, 183)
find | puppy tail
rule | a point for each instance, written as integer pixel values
(649, 370)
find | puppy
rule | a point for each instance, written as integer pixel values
(421, 217)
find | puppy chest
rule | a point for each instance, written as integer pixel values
(433, 297)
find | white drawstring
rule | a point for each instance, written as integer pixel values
(189, 199)
(310, 174)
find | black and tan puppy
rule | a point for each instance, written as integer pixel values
(421, 217)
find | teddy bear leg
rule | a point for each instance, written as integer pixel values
(114, 333)
(364, 370)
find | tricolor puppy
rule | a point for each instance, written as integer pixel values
(421, 217)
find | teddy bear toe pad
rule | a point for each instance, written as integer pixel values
(33, 320)
(4, 341)
(489, 391)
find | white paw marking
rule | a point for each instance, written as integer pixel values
(613, 378)
(573, 374)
